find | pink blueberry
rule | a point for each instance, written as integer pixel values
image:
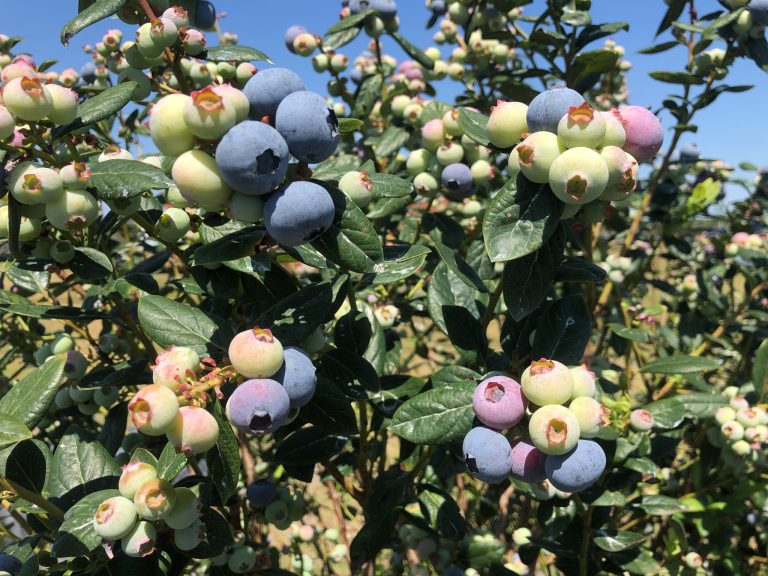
(498, 402)
(644, 132)
(154, 409)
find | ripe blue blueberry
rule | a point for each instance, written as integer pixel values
(258, 406)
(297, 375)
(261, 493)
(298, 213)
(9, 564)
(546, 110)
(387, 8)
(252, 158)
(759, 11)
(309, 126)
(487, 454)
(291, 34)
(205, 15)
(457, 181)
(266, 89)
(578, 469)
(528, 462)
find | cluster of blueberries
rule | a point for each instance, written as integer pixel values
(557, 447)
(258, 130)
(743, 426)
(584, 154)
(279, 382)
(145, 505)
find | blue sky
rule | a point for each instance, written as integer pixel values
(732, 129)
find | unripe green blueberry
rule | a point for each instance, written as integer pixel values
(537, 153)
(80, 395)
(88, 408)
(622, 173)
(234, 99)
(140, 542)
(304, 44)
(62, 343)
(482, 172)
(148, 46)
(172, 224)
(175, 365)
(134, 476)
(412, 113)
(578, 176)
(418, 161)
(242, 560)
(733, 430)
(195, 430)
(747, 417)
(614, 129)
(590, 414)
(189, 537)
(167, 127)
(297, 506)
(693, 560)
(594, 212)
(73, 210)
(207, 116)
(583, 382)
(75, 365)
(136, 59)
(507, 124)
(513, 163)
(63, 104)
(320, 62)
(547, 382)
(582, 126)
(451, 123)
(386, 315)
(744, 23)
(256, 353)
(358, 186)
(155, 499)
(741, 447)
(522, 536)
(426, 184)
(641, 420)
(106, 395)
(277, 513)
(245, 70)
(554, 429)
(154, 409)
(114, 518)
(185, 511)
(125, 206)
(108, 342)
(75, 176)
(450, 153)
(339, 63)
(245, 207)
(433, 134)
(163, 32)
(738, 402)
(399, 104)
(62, 400)
(7, 123)
(27, 99)
(199, 180)
(31, 184)
(62, 251)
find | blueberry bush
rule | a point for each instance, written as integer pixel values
(247, 328)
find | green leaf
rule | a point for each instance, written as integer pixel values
(101, 106)
(660, 505)
(81, 466)
(641, 465)
(473, 124)
(575, 269)
(389, 186)
(453, 375)
(12, 430)
(757, 49)
(466, 334)
(233, 53)
(309, 446)
(76, 536)
(349, 124)
(351, 241)
(597, 31)
(760, 370)
(588, 66)
(634, 334)
(127, 178)
(172, 323)
(367, 94)
(436, 512)
(218, 536)
(97, 11)
(676, 8)
(414, 52)
(701, 404)
(657, 48)
(617, 540)
(31, 397)
(684, 78)
(391, 141)
(144, 455)
(438, 416)
(459, 267)
(527, 280)
(519, 219)
(330, 409)
(334, 168)
(680, 364)
(170, 463)
(352, 373)
(224, 248)
(445, 289)
(609, 498)
(349, 22)
(667, 413)
(563, 331)
(26, 464)
(576, 18)
(224, 458)
(90, 264)
(341, 38)
(703, 194)
(400, 261)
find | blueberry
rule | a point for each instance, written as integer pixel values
(387, 8)
(690, 153)
(291, 34)
(88, 72)
(298, 213)
(261, 493)
(498, 402)
(252, 158)
(266, 89)
(438, 7)
(297, 375)
(309, 126)
(578, 469)
(546, 110)
(9, 563)
(527, 462)
(457, 181)
(258, 406)
(487, 454)
(759, 11)
(205, 15)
